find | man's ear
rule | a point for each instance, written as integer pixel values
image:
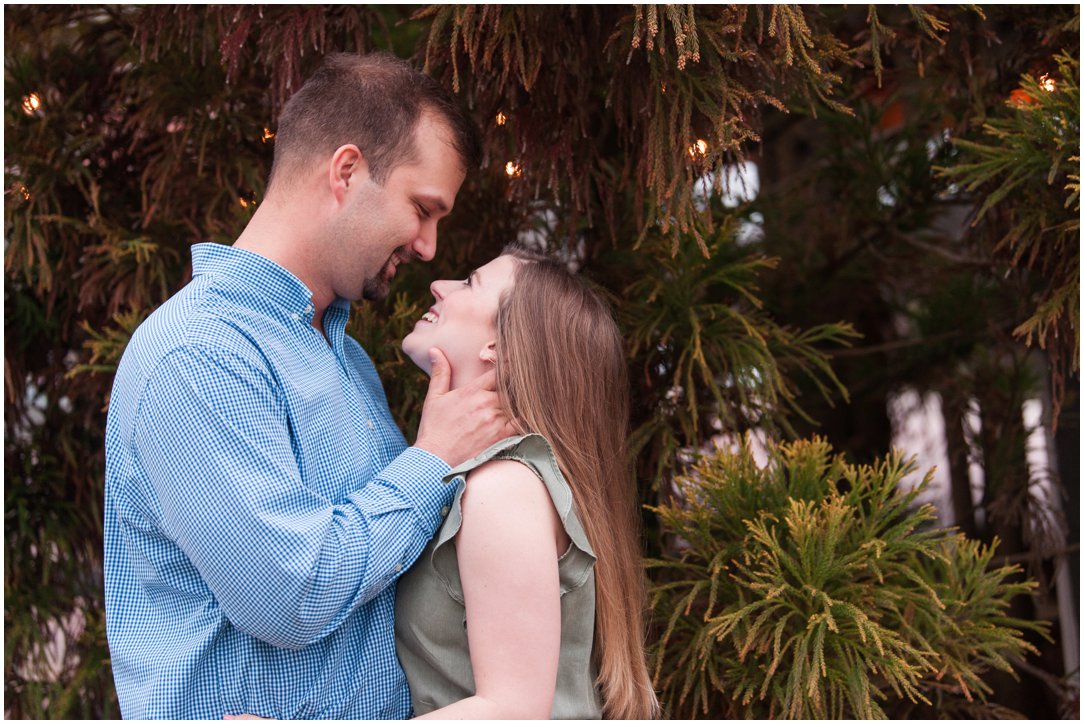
(489, 352)
(348, 168)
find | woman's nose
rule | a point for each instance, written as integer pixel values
(435, 288)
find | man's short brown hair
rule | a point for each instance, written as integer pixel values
(373, 101)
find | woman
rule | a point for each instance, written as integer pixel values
(528, 601)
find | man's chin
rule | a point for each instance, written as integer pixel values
(375, 290)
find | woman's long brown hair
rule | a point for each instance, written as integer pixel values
(561, 372)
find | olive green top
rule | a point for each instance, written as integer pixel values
(431, 622)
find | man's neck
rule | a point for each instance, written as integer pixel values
(274, 234)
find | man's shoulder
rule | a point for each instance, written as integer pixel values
(198, 320)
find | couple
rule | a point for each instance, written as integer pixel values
(262, 508)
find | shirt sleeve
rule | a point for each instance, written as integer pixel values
(285, 564)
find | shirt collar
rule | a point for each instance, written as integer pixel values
(275, 284)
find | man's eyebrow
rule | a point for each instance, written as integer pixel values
(434, 201)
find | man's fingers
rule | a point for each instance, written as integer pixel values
(440, 377)
(459, 423)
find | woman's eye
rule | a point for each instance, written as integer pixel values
(467, 281)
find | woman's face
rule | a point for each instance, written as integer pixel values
(462, 323)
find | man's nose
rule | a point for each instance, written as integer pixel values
(425, 246)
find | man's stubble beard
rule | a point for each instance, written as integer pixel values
(375, 289)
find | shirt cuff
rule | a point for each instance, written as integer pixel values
(417, 474)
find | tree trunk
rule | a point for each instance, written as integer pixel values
(958, 450)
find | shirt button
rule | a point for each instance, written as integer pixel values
(370, 422)
(296, 316)
(308, 309)
(444, 510)
(398, 567)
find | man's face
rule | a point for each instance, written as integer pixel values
(384, 225)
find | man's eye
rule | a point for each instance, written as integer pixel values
(423, 211)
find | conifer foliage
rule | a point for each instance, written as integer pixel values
(808, 588)
(1031, 150)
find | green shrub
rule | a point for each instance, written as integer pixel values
(811, 588)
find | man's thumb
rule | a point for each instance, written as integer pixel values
(440, 376)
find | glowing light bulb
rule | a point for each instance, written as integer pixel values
(1047, 83)
(244, 204)
(513, 169)
(698, 149)
(31, 103)
(268, 134)
(25, 193)
(501, 118)
(1020, 97)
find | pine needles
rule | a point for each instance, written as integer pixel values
(1033, 146)
(709, 71)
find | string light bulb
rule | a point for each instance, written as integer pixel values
(25, 193)
(1047, 83)
(1021, 97)
(268, 134)
(31, 103)
(501, 118)
(698, 149)
(513, 169)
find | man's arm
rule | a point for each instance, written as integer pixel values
(285, 564)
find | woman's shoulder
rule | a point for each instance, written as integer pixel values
(530, 447)
(508, 482)
(523, 460)
(516, 485)
(512, 475)
(506, 502)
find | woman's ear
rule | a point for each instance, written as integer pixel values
(489, 352)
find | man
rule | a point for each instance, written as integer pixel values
(260, 502)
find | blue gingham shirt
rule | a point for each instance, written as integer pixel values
(260, 504)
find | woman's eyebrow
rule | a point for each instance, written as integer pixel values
(476, 278)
